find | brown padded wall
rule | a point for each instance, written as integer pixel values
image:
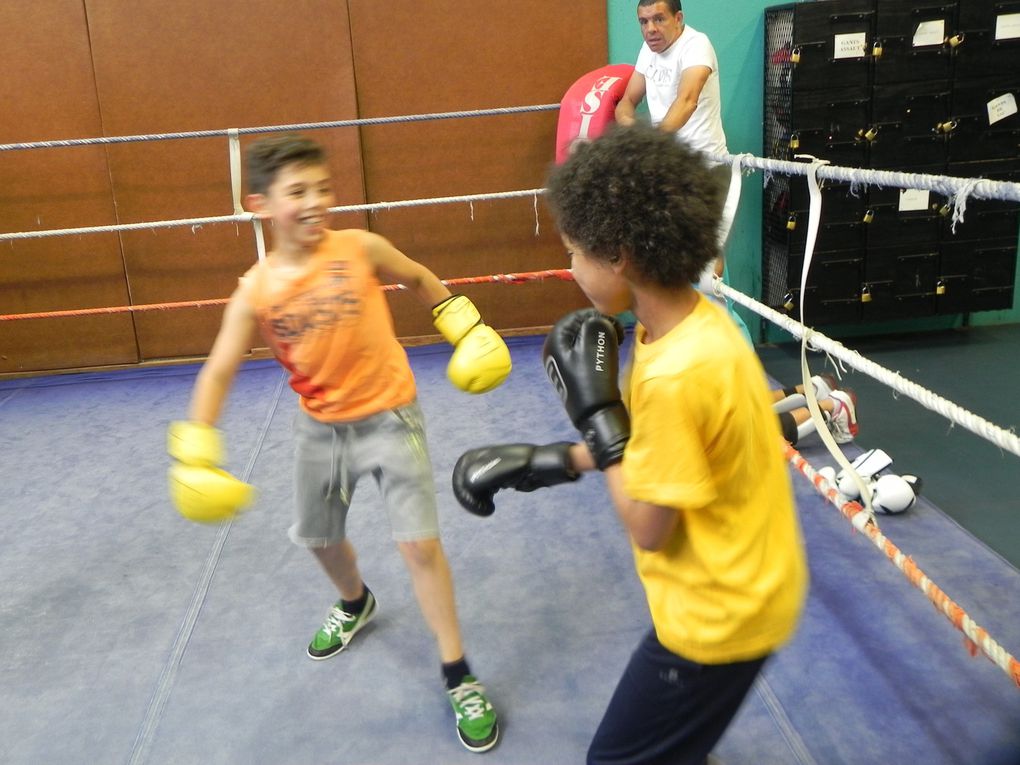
(48, 93)
(116, 67)
(228, 64)
(452, 57)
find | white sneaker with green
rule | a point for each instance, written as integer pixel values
(339, 628)
(476, 719)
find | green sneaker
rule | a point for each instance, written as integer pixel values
(476, 719)
(339, 628)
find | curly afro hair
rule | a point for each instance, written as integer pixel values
(640, 193)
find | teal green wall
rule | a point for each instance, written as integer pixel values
(737, 32)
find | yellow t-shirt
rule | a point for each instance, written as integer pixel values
(331, 328)
(730, 584)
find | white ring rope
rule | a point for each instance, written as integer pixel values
(956, 188)
(276, 128)
(248, 217)
(1002, 438)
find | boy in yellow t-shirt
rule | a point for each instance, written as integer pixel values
(317, 301)
(690, 450)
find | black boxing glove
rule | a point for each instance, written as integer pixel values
(480, 473)
(581, 357)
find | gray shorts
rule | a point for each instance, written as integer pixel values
(331, 457)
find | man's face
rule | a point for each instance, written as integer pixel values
(659, 27)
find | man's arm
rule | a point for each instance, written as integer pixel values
(632, 96)
(692, 82)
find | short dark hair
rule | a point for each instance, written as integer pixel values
(674, 5)
(639, 192)
(267, 156)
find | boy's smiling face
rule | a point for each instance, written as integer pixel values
(297, 202)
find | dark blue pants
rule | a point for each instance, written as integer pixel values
(667, 710)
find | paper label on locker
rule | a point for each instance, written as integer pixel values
(930, 33)
(1001, 107)
(1007, 26)
(850, 45)
(913, 200)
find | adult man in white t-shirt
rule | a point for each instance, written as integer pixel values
(678, 73)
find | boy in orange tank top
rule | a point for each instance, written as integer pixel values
(317, 301)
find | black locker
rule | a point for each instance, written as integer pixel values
(912, 41)
(986, 121)
(841, 226)
(832, 294)
(989, 220)
(990, 38)
(975, 276)
(819, 312)
(821, 44)
(899, 217)
(829, 125)
(908, 125)
(978, 254)
(900, 282)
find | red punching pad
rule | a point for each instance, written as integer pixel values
(589, 106)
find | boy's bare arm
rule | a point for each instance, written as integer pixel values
(649, 525)
(393, 265)
(233, 342)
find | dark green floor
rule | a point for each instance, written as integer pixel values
(969, 478)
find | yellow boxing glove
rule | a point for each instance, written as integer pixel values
(480, 360)
(199, 489)
(195, 443)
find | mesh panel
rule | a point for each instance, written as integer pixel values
(775, 144)
(778, 90)
(774, 274)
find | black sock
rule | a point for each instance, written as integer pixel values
(789, 427)
(790, 391)
(355, 606)
(455, 671)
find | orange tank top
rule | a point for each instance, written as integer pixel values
(331, 328)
